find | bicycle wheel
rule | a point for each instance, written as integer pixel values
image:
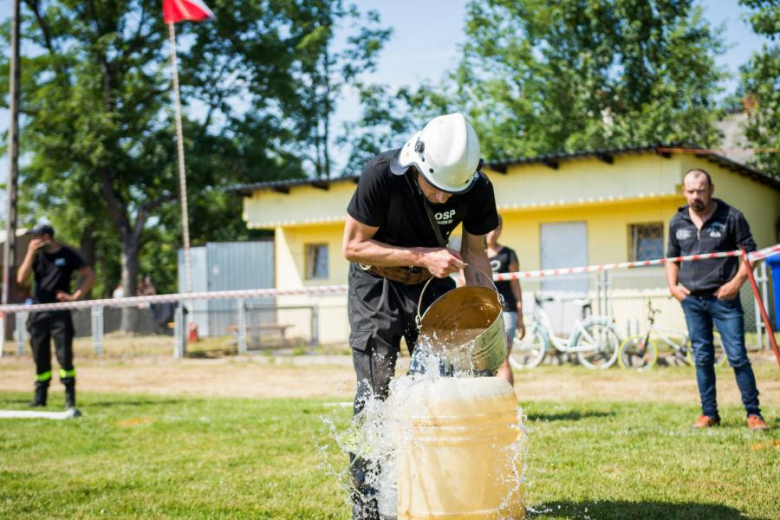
(530, 351)
(720, 352)
(638, 353)
(597, 342)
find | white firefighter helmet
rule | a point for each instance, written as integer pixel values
(446, 152)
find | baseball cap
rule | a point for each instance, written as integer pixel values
(42, 229)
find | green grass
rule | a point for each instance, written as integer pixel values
(144, 457)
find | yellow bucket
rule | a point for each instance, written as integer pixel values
(465, 327)
(462, 460)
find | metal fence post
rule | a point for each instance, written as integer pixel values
(179, 332)
(315, 325)
(97, 329)
(608, 310)
(598, 295)
(241, 325)
(20, 317)
(757, 313)
(765, 296)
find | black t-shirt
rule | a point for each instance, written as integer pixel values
(409, 225)
(500, 264)
(726, 230)
(53, 273)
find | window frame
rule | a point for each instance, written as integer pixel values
(312, 252)
(634, 239)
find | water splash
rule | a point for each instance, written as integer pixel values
(379, 433)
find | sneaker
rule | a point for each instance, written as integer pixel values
(705, 421)
(756, 423)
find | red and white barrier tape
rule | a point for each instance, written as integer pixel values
(165, 298)
(756, 255)
(327, 290)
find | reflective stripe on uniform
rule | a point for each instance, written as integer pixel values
(66, 373)
(43, 377)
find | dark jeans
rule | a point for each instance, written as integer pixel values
(700, 314)
(44, 326)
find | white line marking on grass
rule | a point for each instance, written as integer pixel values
(25, 414)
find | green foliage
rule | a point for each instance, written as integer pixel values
(540, 77)
(258, 86)
(760, 85)
(388, 119)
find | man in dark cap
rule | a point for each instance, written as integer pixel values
(52, 265)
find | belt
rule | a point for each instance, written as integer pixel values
(404, 275)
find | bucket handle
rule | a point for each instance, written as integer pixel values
(418, 318)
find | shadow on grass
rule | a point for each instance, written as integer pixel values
(636, 510)
(16, 401)
(108, 404)
(572, 415)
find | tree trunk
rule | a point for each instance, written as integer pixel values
(88, 246)
(129, 280)
(108, 287)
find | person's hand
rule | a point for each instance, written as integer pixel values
(62, 296)
(727, 291)
(34, 245)
(520, 328)
(680, 292)
(443, 262)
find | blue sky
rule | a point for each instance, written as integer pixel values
(428, 33)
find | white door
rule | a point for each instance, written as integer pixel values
(564, 244)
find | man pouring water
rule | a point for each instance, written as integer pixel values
(406, 204)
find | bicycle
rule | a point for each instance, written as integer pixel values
(594, 339)
(641, 352)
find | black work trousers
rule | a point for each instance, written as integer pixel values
(381, 312)
(44, 326)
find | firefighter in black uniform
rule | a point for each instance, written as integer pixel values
(52, 265)
(406, 204)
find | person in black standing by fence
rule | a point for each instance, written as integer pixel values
(52, 265)
(504, 260)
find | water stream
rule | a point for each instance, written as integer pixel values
(381, 432)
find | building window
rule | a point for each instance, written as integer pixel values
(646, 241)
(316, 261)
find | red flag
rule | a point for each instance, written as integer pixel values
(175, 11)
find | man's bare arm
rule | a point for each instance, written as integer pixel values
(360, 246)
(730, 289)
(678, 291)
(89, 278)
(26, 268)
(472, 249)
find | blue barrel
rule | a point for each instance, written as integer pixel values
(773, 262)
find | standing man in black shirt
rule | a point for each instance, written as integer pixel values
(708, 291)
(52, 265)
(504, 260)
(406, 204)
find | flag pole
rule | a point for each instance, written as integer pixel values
(185, 220)
(181, 342)
(9, 248)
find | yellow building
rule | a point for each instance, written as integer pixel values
(559, 211)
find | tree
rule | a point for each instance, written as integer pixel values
(97, 129)
(324, 73)
(760, 86)
(541, 77)
(389, 118)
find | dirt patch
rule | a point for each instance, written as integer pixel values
(332, 377)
